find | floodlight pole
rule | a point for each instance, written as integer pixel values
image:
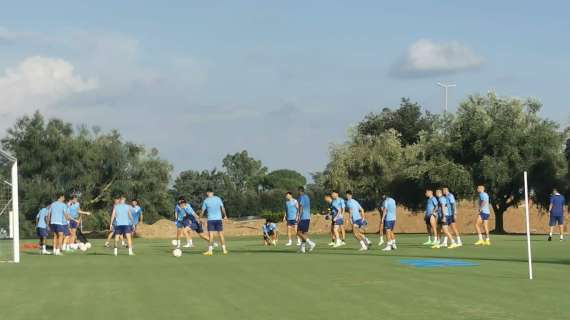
(445, 87)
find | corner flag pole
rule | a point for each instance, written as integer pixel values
(527, 225)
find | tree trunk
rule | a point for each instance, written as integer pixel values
(499, 226)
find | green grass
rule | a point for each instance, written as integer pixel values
(256, 282)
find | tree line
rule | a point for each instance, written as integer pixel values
(490, 140)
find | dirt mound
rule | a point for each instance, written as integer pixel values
(408, 222)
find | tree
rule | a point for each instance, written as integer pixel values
(56, 158)
(284, 179)
(408, 120)
(245, 172)
(497, 139)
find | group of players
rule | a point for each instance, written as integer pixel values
(63, 217)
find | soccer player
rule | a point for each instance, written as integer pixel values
(112, 233)
(42, 229)
(483, 217)
(192, 223)
(290, 216)
(431, 218)
(447, 218)
(123, 222)
(137, 214)
(183, 223)
(451, 206)
(556, 211)
(389, 218)
(339, 221)
(304, 221)
(270, 232)
(75, 213)
(381, 223)
(58, 217)
(214, 209)
(358, 221)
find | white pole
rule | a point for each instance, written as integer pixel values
(15, 213)
(446, 99)
(527, 225)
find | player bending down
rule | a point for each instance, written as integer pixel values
(358, 221)
(215, 211)
(123, 221)
(556, 212)
(304, 221)
(431, 218)
(483, 217)
(389, 219)
(270, 232)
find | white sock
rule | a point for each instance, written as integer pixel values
(458, 239)
(429, 238)
(224, 247)
(445, 240)
(311, 243)
(189, 242)
(210, 248)
(452, 241)
(130, 250)
(550, 234)
(480, 236)
(487, 239)
(362, 243)
(561, 236)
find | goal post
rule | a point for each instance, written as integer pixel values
(9, 209)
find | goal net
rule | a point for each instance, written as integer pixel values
(9, 224)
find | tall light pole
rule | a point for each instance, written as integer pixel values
(445, 87)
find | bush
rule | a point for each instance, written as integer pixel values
(271, 216)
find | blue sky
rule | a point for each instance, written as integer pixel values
(282, 79)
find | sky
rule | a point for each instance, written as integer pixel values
(282, 79)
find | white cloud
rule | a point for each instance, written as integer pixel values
(426, 57)
(39, 82)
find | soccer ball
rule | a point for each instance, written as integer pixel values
(177, 253)
(174, 242)
(88, 245)
(73, 246)
(82, 247)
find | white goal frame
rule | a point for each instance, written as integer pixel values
(14, 214)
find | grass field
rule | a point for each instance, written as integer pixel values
(256, 282)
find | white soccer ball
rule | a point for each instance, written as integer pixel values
(177, 253)
(88, 245)
(174, 242)
(82, 247)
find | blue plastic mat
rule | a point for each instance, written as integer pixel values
(436, 263)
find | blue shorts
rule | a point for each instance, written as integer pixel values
(291, 222)
(73, 224)
(448, 220)
(196, 227)
(484, 216)
(123, 230)
(304, 225)
(338, 222)
(56, 228)
(556, 220)
(389, 225)
(42, 232)
(428, 220)
(183, 224)
(215, 225)
(359, 223)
